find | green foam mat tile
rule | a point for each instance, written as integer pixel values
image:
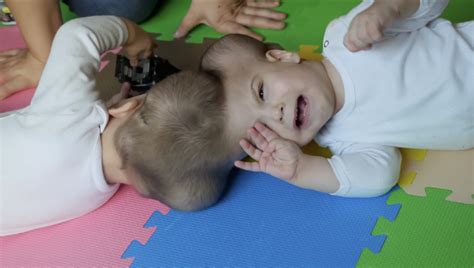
(66, 13)
(167, 19)
(306, 22)
(428, 232)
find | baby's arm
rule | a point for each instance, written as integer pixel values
(285, 160)
(360, 171)
(385, 17)
(68, 80)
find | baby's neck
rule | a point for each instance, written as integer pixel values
(111, 163)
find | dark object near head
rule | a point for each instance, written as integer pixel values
(148, 72)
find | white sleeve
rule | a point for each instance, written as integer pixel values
(427, 11)
(68, 79)
(366, 170)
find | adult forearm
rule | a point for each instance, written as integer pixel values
(315, 173)
(38, 21)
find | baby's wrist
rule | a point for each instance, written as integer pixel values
(398, 9)
(301, 166)
(130, 30)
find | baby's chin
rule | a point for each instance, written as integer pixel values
(300, 140)
(305, 139)
(304, 142)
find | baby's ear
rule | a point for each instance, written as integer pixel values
(275, 55)
(124, 108)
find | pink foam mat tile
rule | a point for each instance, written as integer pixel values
(96, 239)
(10, 38)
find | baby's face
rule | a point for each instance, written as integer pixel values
(294, 99)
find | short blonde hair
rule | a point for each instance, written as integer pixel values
(176, 144)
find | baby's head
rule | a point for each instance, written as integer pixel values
(273, 86)
(175, 143)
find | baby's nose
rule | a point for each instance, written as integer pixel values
(279, 112)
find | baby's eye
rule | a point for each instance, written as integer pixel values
(261, 94)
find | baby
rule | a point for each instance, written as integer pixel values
(410, 85)
(66, 154)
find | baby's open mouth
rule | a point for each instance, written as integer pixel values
(301, 112)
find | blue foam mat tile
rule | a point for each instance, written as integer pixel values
(262, 221)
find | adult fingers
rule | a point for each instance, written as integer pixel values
(12, 86)
(259, 22)
(263, 4)
(11, 52)
(264, 13)
(233, 27)
(187, 24)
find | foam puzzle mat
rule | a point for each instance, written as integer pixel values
(427, 221)
(262, 221)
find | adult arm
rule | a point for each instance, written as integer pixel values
(38, 21)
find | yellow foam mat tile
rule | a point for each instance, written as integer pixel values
(451, 170)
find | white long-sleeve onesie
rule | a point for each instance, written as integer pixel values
(50, 152)
(415, 89)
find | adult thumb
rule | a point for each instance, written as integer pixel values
(189, 22)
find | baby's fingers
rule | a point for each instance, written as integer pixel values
(250, 149)
(267, 133)
(258, 139)
(133, 61)
(250, 166)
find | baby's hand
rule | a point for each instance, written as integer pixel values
(367, 28)
(274, 155)
(140, 44)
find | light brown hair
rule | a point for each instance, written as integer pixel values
(176, 142)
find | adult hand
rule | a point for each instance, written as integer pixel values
(274, 155)
(232, 16)
(19, 69)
